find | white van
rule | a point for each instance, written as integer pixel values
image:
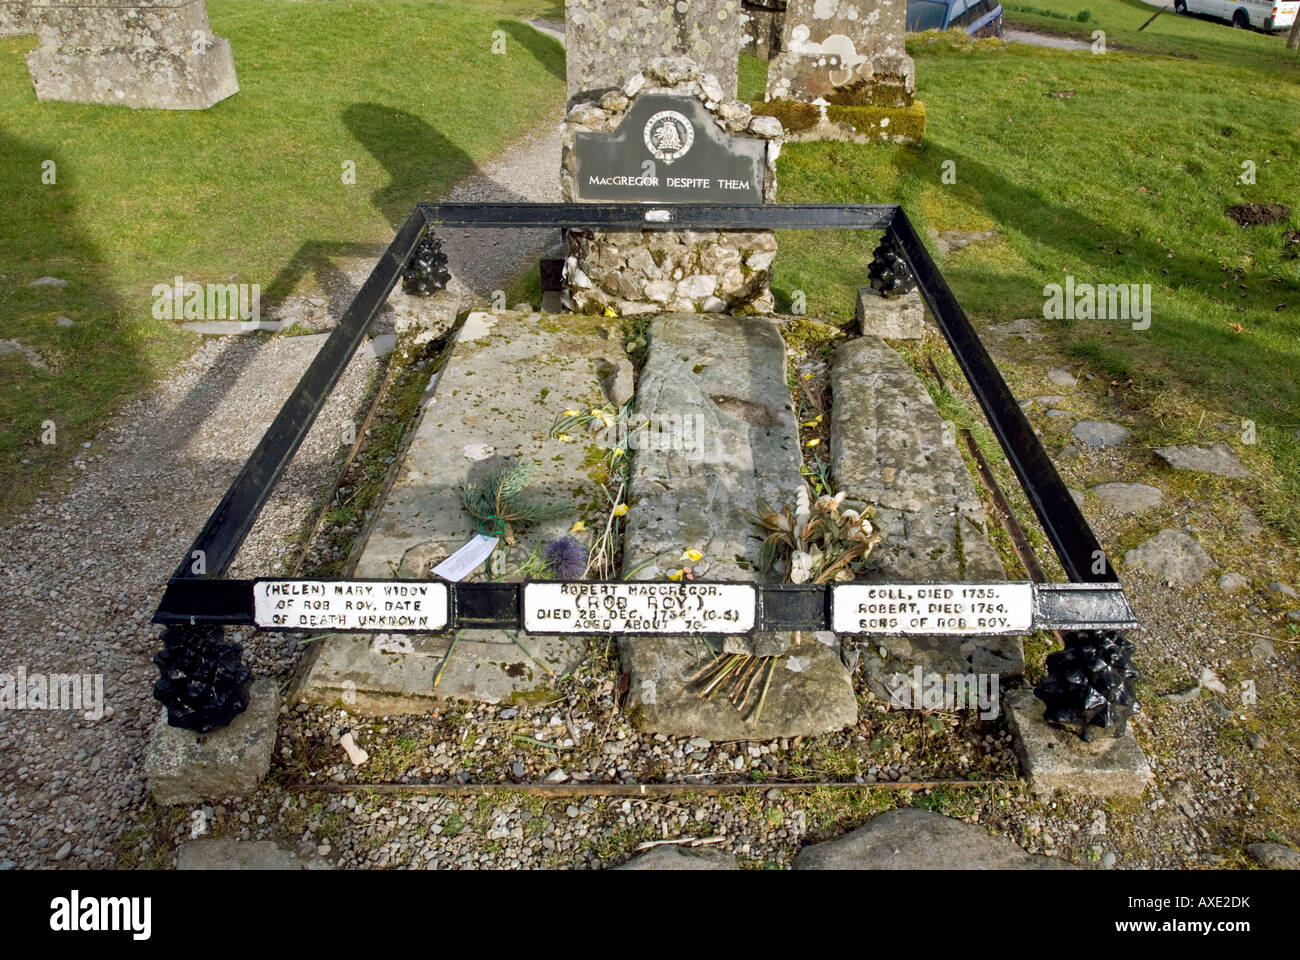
(1268, 15)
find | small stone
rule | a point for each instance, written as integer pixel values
(1274, 856)
(1210, 681)
(1281, 589)
(48, 282)
(1257, 741)
(1263, 649)
(1128, 497)
(1108, 860)
(1171, 555)
(65, 321)
(586, 114)
(620, 383)
(571, 811)
(63, 851)
(768, 127)
(1216, 458)
(1062, 378)
(518, 769)
(355, 753)
(1232, 582)
(1096, 433)
(556, 776)
(699, 743)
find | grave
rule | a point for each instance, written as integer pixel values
(132, 54)
(655, 536)
(14, 18)
(843, 73)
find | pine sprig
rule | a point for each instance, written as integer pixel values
(496, 504)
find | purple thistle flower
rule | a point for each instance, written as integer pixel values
(566, 558)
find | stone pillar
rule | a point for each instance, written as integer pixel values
(843, 73)
(14, 18)
(636, 272)
(608, 41)
(161, 55)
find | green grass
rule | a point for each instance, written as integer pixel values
(1125, 182)
(1186, 37)
(249, 191)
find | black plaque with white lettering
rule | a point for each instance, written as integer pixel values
(669, 150)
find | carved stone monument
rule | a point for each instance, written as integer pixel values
(843, 73)
(132, 54)
(14, 18)
(608, 41)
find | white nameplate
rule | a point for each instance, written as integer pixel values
(930, 608)
(388, 605)
(640, 607)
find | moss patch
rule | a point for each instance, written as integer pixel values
(794, 116)
(904, 124)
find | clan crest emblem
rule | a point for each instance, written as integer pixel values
(669, 135)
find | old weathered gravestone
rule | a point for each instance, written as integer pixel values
(609, 41)
(134, 54)
(843, 73)
(14, 18)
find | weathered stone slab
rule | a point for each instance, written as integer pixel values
(609, 41)
(227, 854)
(899, 318)
(1274, 856)
(1171, 555)
(811, 692)
(675, 857)
(182, 766)
(1055, 759)
(1128, 497)
(831, 47)
(889, 448)
(921, 840)
(724, 379)
(509, 374)
(14, 19)
(160, 55)
(1096, 433)
(1217, 458)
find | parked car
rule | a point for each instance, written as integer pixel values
(979, 18)
(1267, 15)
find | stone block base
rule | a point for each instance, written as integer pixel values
(852, 123)
(1055, 759)
(182, 766)
(219, 854)
(136, 77)
(901, 318)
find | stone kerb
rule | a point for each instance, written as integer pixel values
(161, 55)
(636, 272)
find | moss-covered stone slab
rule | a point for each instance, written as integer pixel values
(509, 375)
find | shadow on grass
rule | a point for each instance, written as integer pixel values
(53, 244)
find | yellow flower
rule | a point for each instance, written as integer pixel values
(566, 438)
(807, 376)
(618, 452)
(620, 510)
(578, 527)
(611, 312)
(675, 574)
(570, 413)
(693, 555)
(813, 442)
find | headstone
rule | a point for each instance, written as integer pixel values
(669, 136)
(843, 73)
(609, 41)
(131, 54)
(762, 25)
(14, 18)
(839, 46)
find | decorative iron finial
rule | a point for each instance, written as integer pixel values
(426, 272)
(1089, 684)
(204, 685)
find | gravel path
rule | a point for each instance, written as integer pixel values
(82, 573)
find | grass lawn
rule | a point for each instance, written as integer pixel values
(1125, 181)
(249, 191)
